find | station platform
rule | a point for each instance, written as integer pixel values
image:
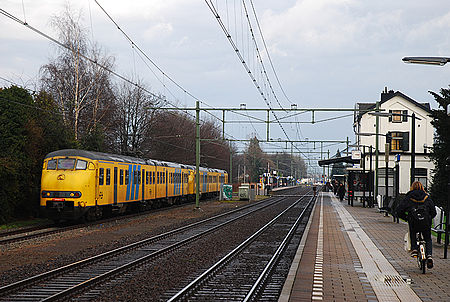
(357, 254)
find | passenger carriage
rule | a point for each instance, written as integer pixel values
(79, 183)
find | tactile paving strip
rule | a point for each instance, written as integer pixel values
(385, 280)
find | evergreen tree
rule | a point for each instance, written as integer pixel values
(15, 116)
(441, 148)
(29, 129)
(254, 157)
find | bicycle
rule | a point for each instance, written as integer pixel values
(421, 257)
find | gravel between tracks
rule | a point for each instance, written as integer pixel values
(25, 259)
(152, 281)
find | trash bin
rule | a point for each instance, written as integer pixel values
(244, 192)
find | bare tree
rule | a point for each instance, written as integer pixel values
(135, 119)
(81, 87)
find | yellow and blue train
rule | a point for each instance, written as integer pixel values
(84, 184)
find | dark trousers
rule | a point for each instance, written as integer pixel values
(426, 236)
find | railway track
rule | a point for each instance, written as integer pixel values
(61, 283)
(251, 272)
(38, 231)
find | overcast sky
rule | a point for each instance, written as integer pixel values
(327, 53)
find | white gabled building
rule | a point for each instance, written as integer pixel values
(397, 131)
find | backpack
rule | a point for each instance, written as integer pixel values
(419, 217)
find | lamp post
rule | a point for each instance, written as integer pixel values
(447, 209)
(437, 61)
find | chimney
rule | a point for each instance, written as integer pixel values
(386, 95)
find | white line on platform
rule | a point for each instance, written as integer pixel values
(374, 264)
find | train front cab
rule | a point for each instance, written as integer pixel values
(67, 187)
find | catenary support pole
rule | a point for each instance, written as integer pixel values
(230, 175)
(377, 132)
(197, 154)
(413, 147)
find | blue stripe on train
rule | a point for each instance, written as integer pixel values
(132, 182)
(129, 183)
(137, 184)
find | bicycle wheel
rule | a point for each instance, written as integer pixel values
(422, 263)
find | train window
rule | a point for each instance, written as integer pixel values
(66, 163)
(51, 165)
(139, 177)
(157, 175)
(100, 176)
(146, 178)
(121, 177)
(127, 177)
(135, 178)
(108, 176)
(153, 176)
(81, 165)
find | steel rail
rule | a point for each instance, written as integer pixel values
(276, 256)
(183, 293)
(82, 263)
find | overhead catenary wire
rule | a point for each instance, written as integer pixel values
(299, 133)
(142, 54)
(164, 100)
(243, 62)
(93, 61)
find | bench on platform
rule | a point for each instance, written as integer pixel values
(438, 223)
(387, 205)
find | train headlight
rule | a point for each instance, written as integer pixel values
(72, 195)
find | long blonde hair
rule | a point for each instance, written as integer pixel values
(417, 185)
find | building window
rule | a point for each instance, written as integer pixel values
(398, 141)
(420, 174)
(398, 116)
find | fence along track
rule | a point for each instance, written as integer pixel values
(72, 278)
(209, 285)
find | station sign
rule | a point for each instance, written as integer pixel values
(356, 154)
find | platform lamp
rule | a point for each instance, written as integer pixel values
(437, 61)
(427, 60)
(447, 208)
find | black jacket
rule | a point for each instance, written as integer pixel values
(413, 198)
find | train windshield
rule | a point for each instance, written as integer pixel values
(51, 165)
(81, 164)
(66, 163)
